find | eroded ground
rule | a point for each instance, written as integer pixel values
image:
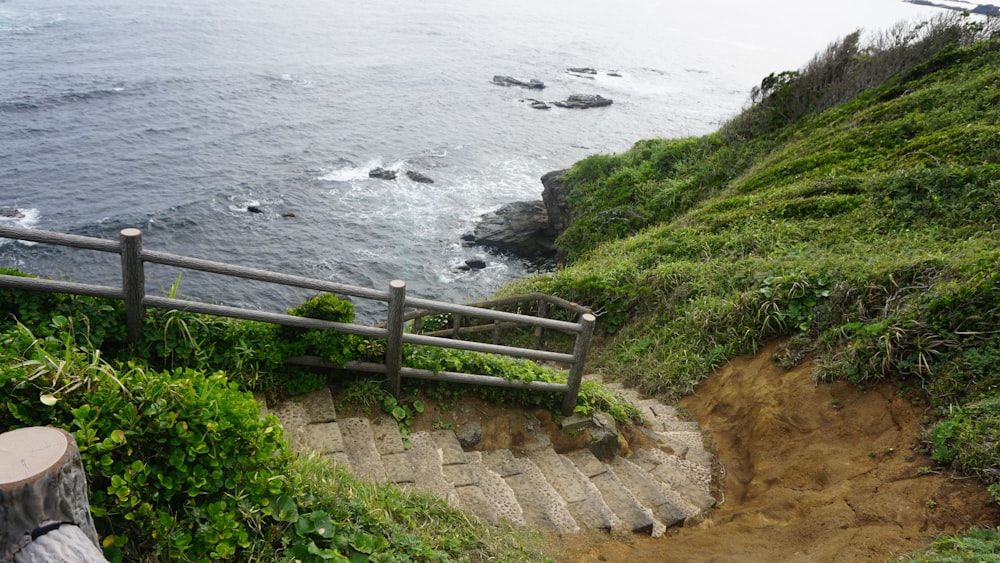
(812, 473)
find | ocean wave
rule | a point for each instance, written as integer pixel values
(351, 173)
(15, 23)
(32, 103)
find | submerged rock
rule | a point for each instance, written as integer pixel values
(583, 101)
(382, 173)
(11, 213)
(511, 81)
(536, 104)
(418, 177)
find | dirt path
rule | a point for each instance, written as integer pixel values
(812, 473)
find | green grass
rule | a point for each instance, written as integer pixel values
(858, 217)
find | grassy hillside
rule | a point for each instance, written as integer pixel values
(853, 207)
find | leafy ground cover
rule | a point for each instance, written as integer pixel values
(181, 466)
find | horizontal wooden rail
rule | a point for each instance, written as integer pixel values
(132, 292)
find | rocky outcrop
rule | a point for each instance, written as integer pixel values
(521, 228)
(510, 81)
(584, 101)
(526, 228)
(554, 198)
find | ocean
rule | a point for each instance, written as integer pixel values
(177, 117)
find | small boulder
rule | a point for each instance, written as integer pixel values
(254, 209)
(581, 70)
(604, 443)
(382, 173)
(469, 434)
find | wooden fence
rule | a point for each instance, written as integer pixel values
(133, 293)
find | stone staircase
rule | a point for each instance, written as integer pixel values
(663, 484)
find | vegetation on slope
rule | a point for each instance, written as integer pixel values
(853, 208)
(180, 464)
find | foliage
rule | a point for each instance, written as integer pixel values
(976, 545)
(180, 464)
(182, 467)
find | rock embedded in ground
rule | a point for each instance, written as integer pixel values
(469, 434)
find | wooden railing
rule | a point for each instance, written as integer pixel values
(133, 293)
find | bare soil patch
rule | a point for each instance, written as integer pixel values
(811, 473)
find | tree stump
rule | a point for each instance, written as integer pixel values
(44, 512)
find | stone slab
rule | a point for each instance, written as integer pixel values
(542, 505)
(323, 438)
(447, 444)
(648, 491)
(359, 443)
(459, 474)
(426, 463)
(385, 432)
(398, 468)
(475, 501)
(587, 463)
(501, 462)
(623, 503)
(318, 406)
(501, 497)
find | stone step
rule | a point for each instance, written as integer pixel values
(499, 501)
(691, 480)
(542, 506)
(582, 497)
(654, 489)
(649, 492)
(425, 459)
(695, 444)
(318, 406)
(622, 502)
(359, 444)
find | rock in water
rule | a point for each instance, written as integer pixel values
(583, 101)
(521, 228)
(511, 81)
(11, 213)
(382, 174)
(418, 177)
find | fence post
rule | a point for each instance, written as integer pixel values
(133, 282)
(456, 326)
(394, 342)
(579, 358)
(44, 510)
(536, 341)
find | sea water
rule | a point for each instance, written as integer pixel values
(178, 116)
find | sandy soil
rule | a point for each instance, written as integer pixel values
(811, 473)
